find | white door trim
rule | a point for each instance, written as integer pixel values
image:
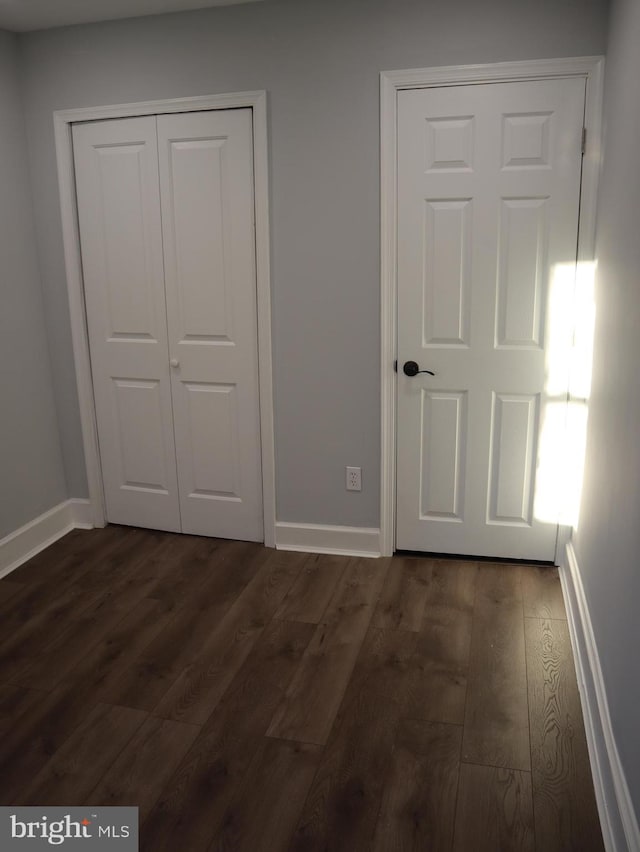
(63, 120)
(391, 82)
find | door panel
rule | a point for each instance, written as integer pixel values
(447, 273)
(206, 181)
(195, 201)
(213, 421)
(443, 450)
(488, 199)
(522, 267)
(139, 413)
(513, 443)
(116, 165)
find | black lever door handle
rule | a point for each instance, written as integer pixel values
(410, 368)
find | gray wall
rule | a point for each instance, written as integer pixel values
(319, 61)
(31, 472)
(608, 537)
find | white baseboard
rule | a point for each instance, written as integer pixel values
(319, 538)
(81, 513)
(617, 817)
(21, 545)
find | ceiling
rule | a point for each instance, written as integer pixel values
(24, 15)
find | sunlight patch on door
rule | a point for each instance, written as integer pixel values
(570, 326)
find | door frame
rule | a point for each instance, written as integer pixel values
(590, 68)
(63, 121)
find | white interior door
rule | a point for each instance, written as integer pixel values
(206, 181)
(116, 165)
(166, 217)
(488, 202)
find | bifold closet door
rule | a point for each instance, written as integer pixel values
(206, 189)
(166, 217)
(118, 194)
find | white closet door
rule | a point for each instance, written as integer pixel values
(116, 166)
(206, 187)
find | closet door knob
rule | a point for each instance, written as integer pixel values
(174, 362)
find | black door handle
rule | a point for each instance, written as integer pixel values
(410, 368)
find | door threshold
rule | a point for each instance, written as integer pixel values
(465, 557)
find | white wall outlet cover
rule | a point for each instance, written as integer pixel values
(354, 478)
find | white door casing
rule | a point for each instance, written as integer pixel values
(206, 184)
(118, 196)
(206, 372)
(488, 202)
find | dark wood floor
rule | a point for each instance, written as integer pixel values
(248, 699)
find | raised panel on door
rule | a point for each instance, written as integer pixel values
(488, 200)
(116, 167)
(198, 245)
(512, 458)
(138, 406)
(447, 272)
(443, 434)
(212, 411)
(206, 179)
(522, 271)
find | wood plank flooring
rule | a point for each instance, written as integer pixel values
(250, 699)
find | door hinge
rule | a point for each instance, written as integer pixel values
(584, 139)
